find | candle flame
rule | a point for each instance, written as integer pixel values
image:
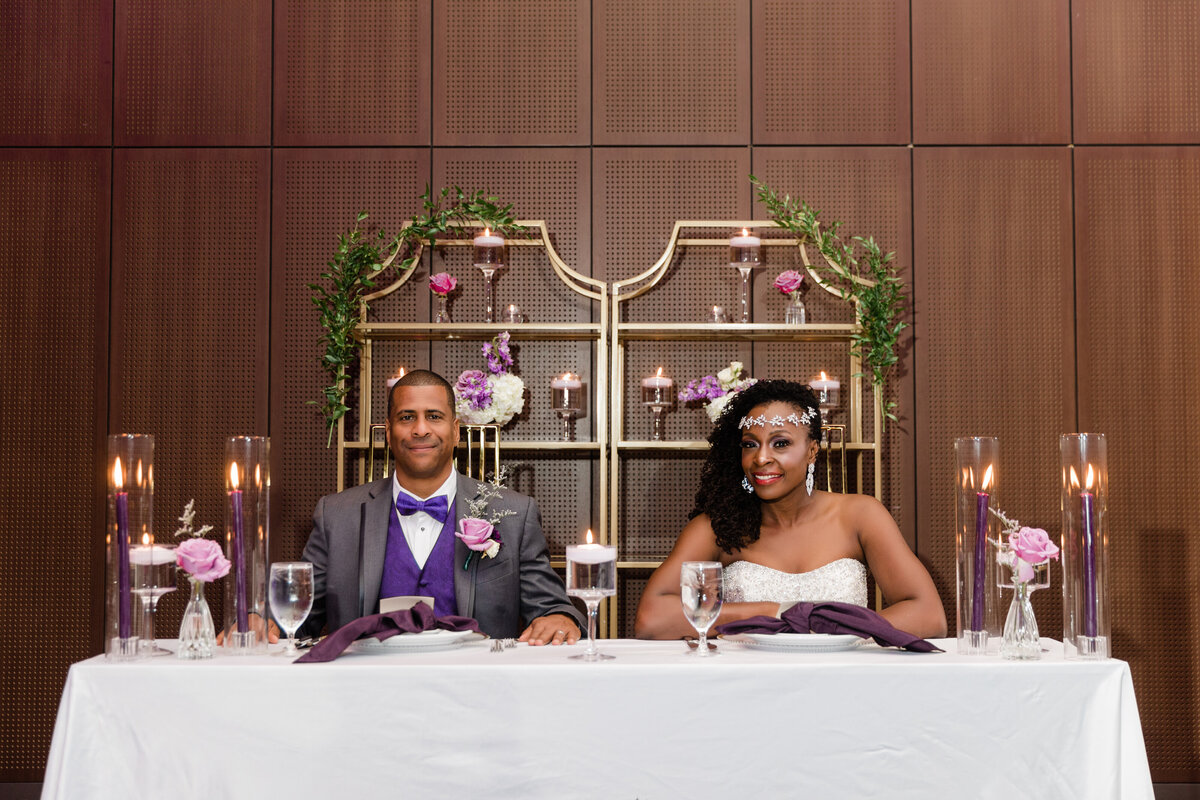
(400, 374)
(487, 231)
(659, 375)
(566, 376)
(145, 538)
(233, 474)
(589, 536)
(258, 475)
(745, 232)
(118, 475)
(1074, 479)
(1091, 478)
(138, 482)
(987, 478)
(824, 377)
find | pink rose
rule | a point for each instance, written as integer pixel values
(789, 281)
(202, 559)
(443, 283)
(1032, 546)
(475, 533)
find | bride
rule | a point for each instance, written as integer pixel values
(780, 540)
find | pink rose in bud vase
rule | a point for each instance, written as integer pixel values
(443, 283)
(203, 559)
(479, 535)
(789, 282)
(1032, 546)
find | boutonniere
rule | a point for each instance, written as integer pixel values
(479, 532)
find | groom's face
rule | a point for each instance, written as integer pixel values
(422, 433)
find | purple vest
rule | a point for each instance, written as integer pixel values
(402, 576)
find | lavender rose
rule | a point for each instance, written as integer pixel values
(202, 559)
(1032, 546)
(479, 535)
(789, 281)
(443, 283)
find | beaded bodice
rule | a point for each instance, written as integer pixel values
(844, 581)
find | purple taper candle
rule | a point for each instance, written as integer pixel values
(981, 520)
(239, 549)
(1089, 559)
(123, 588)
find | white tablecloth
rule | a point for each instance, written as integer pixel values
(651, 724)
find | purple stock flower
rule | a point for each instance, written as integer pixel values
(472, 386)
(705, 389)
(499, 357)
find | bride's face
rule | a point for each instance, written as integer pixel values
(776, 458)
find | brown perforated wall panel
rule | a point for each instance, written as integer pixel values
(324, 92)
(1139, 378)
(671, 72)
(49, 99)
(189, 336)
(994, 351)
(868, 190)
(1136, 71)
(195, 73)
(53, 345)
(990, 73)
(813, 80)
(508, 73)
(315, 197)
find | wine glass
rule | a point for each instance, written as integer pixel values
(702, 590)
(591, 576)
(153, 576)
(291, 595)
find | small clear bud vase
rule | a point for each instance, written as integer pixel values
(443, 310)
(1021, 640)
(197, 637)
(795, 313)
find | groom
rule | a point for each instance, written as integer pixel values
(396, 536)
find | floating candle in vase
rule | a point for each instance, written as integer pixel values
(566, 399)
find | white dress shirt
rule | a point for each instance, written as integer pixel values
(421, 530)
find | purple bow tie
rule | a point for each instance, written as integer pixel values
(436, 507)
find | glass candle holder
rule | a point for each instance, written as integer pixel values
(566, 399)
(717, 316)
(591, 576)
(828, 391)
(1086, 623)
(489, 254)
(247, 485)
(658, 395)
(512, 314)
(745, 254)
(153, 568)
(977, 460)
(130, 468)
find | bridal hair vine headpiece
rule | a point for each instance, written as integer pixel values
(777, 421)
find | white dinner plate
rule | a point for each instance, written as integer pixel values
(798, 642)
(423, 641)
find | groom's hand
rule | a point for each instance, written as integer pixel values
(551, 629)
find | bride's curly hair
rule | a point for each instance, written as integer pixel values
(736, 515)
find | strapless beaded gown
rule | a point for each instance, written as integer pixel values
(842, 581)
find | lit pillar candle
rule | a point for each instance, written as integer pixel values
(239, 550)
(982, 499)
(1089, 553)
(487, 248)
(392, 381)
(123, 588)
(591, 553)
(564, 391)
(657, 388)
(745, 249)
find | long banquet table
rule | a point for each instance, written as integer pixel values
(652, 723)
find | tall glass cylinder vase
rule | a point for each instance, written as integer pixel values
(1086, 623)
(975, 529)
(130, 468)
(247, 486)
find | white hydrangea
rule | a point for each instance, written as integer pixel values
(508, 396)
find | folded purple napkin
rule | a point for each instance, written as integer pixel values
(384, 626)
(832, 618)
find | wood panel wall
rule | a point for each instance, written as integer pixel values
(168, 189)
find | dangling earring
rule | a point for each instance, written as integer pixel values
(808, 484)
(746, 485)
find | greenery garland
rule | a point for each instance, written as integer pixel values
(868, 281)
(358, 262)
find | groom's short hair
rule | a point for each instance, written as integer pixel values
(422, 377)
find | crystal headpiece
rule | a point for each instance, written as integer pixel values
(777, 421)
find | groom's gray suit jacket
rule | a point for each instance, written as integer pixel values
(505, 593)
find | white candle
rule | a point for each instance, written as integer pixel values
(567, 381)
(591, 553)
(657, 381)
(488, 239)
(745, 240)
(825, 383)
(392, 381)
(151, 554)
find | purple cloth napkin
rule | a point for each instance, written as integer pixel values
(384, 626)
(832, 618)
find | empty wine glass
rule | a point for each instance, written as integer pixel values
(291, 595)
(703, 590)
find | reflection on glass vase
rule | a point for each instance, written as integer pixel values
(795, 313)
(197, 636)
(1021, 641)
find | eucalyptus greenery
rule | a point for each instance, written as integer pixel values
(863, 274)
(359, 261)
